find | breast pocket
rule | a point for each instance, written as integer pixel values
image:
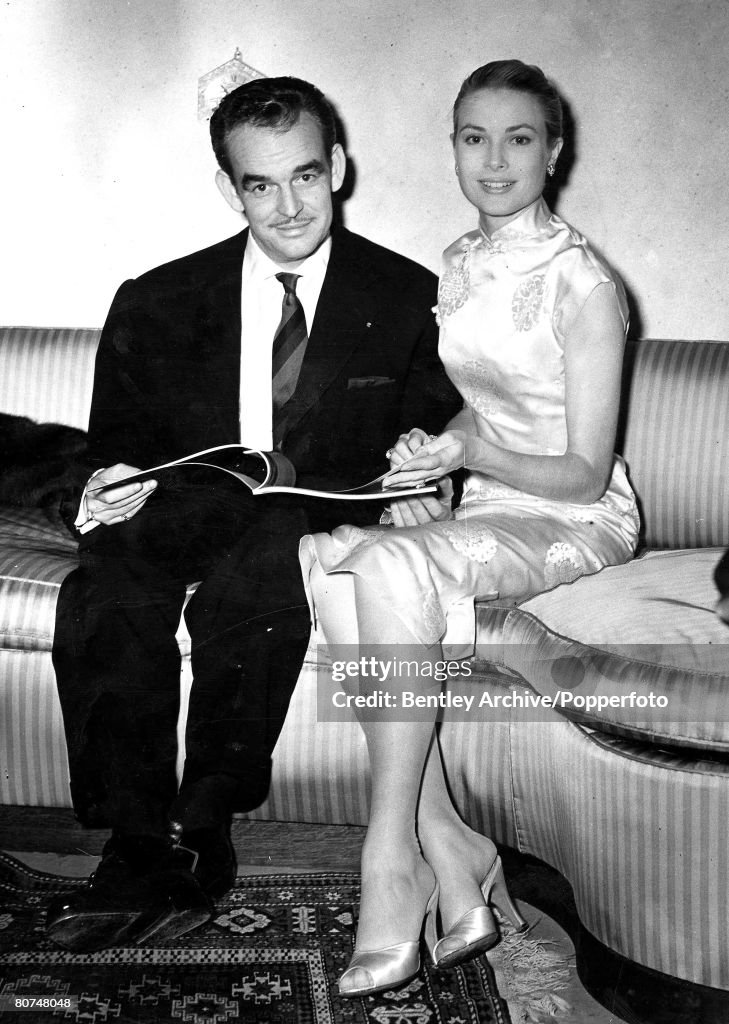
(358, 383)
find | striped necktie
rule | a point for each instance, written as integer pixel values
(289, 345)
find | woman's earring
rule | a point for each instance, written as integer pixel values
(550, 169)
(457, 170)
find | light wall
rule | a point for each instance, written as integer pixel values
(106, 171)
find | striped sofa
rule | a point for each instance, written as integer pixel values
(632, 806)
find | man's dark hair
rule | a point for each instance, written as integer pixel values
(270, 103)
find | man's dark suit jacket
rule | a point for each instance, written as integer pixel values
(168, 368)
(167, 384)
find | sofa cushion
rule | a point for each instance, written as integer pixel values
(35, 557)
(646, 629)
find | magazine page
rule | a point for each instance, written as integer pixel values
(271, 473)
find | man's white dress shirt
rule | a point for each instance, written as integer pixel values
(261, 304)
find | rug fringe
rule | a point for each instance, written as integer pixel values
(533, 975)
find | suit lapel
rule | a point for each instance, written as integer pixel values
(345, 310)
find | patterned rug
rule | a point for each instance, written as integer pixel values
(270, 956)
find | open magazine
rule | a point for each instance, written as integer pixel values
(271, 473)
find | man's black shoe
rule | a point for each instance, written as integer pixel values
(215, 868)
(143, 887)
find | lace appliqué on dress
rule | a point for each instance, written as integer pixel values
(582, 514)
(527, 302)
(358, 538)
(495, 489)
(432, 613)
(478, 387)
(490, 489)
(474, 540)
(453, 288)
(562, 564)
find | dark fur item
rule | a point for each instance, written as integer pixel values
(41, 464)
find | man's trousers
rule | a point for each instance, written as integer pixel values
(118, 664)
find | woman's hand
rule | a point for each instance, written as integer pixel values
(406, 446)
(418, 457)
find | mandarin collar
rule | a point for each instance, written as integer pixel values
(531, 222)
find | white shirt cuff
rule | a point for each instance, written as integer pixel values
(83, 521)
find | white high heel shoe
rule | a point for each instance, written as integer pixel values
(385, 968)
(476, 930)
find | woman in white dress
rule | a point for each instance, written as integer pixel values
(532, 333)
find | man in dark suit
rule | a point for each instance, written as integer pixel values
(291, 335)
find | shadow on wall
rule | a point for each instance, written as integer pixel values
(565, 165)
(349, 185)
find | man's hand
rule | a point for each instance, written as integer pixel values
(119, 503)
(417, 511)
